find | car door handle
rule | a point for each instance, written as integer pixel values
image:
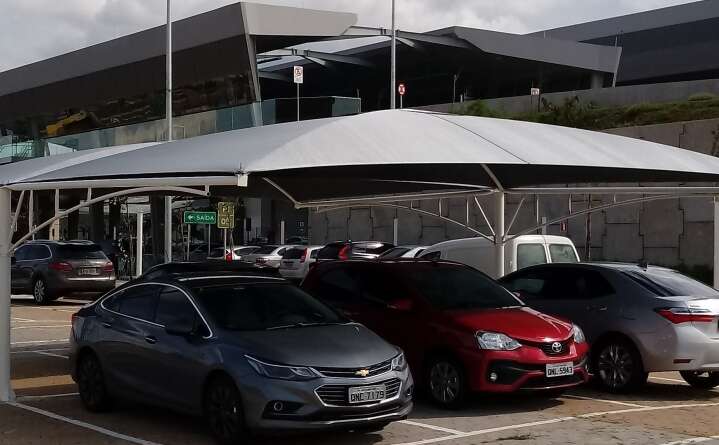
(151, 340)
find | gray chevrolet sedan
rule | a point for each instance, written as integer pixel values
(251, 353)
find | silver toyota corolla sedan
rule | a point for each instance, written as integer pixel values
(638, 318)
(251, 353)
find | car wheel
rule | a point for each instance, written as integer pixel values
(447, 384)
(91, 383)
(223, 410)
(701, 380)
(618, 366)
(40, 292)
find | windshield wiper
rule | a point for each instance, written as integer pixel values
(302, 325)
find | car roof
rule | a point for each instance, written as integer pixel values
(199, 279)
(208, 267)
(63, 243)
(617, 266)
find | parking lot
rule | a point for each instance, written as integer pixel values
(48, 409)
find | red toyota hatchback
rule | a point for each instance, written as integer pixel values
(461, 332)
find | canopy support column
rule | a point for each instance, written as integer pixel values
(716, 242)
(6, 393)
(168, 229)
(139, 236)
(499, 233)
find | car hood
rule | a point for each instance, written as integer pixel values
(338, 346)
(519, 323)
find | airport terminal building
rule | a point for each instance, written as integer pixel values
(232, 68)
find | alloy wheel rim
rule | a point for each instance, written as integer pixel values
(39, 293)
(444, 382)
(615, 366)
(224, 412)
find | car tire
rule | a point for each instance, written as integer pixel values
(40, 292)
(91, 384)
(701, 380)
(224, 413)
(618, 366)
(446, 383)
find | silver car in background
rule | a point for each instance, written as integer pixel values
(267, 256)
(403, 252)
(237, 252)
(296, 262)
(638, 318)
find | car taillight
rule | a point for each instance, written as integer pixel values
(108, 267)
(679, 315)
(303, 258)
(228, 256)
(261, 260)
(344, 254)
(60, 266)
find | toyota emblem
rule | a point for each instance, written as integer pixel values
(556, 347)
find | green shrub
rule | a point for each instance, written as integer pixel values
(702, 96)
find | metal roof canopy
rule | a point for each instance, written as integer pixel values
(378, 158)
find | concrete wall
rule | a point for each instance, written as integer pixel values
(672, 232)
(620, 96)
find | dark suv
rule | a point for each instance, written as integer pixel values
(51, 269)
(349, 250)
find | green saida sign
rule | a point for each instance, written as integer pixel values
(200, 218)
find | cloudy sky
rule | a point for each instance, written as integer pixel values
(32, 30)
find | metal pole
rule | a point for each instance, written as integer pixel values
(209, 239)
(282, 232)
(55, 229)
(189, 235)
(168, 229)
(225, 242)
(401, 102)
(168, 93)
(395, 231)
(31, 212)
(716, 242)
(298, 102)
(139, 236)
(393, 75)
(6, 393)
(499, 205)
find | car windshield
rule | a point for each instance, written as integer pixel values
(397, 252)
(293, 254)
(330, 252)
(246, 250)
(669, 283)
(80, 252)
(449, 287)
(266, 250)
(563, 253)
(259, 307)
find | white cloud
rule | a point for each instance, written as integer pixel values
(32, 30)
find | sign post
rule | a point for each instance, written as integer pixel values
(402, 90)
(299, 77)
(536, 92)
(225, 218)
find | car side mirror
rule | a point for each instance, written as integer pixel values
(401, 305)
(180, 327)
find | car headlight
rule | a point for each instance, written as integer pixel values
(399, 363)
(578, 334)
(494, 341)
(280, 371)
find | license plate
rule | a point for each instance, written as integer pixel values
(560, 369)
(366, 394)
(89, 271)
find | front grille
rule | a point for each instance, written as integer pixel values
(337, 395)
(548, 348)
(359, 373)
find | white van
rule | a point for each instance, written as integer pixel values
(520, 252)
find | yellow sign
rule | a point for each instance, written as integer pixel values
(226, 215)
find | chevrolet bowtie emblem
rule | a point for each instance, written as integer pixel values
(362, 372)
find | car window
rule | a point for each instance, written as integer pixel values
(563, 253)
(330, 252)
(530, 255)
(450, 287)
(294, 253)
(217, 253)
(137, 302)
(80, 252)
(337, 285)
(378, 287)
(265, 250)
(21, 254)
(670, 283)
(396, 252)
(281, 251)
(113, 302)
(432, 256)
(560, 284)
(256, 307)
(314, 254)
(173, 306)
(371, 248)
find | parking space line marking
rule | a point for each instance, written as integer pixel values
(22, 320)
(48, 396)
(43, 327)
(431, 427)
(669, 380)
(32, 351)
(81, 424)
(557, 420)
(50, 354)
(613, 402)
(38, 342)
(692, 440)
